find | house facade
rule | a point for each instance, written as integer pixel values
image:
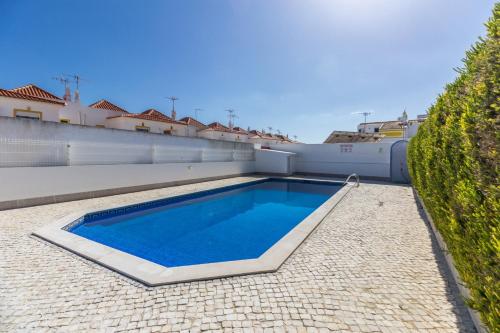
(217, 131)
(33, 102)
(152, 121)
(30, 102)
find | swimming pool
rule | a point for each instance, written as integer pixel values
(231, 223)
(249, 227)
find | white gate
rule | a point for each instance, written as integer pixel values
(399, 168)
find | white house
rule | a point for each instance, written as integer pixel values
(93, 115)
(152, 121)
(193, 122)
(31, 102)
(217, 131)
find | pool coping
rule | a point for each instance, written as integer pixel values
(152, 274)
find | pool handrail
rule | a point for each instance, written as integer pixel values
(355, 175)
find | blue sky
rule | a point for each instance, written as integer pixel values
(299, 66)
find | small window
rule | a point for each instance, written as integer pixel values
(28, 114)
(167, 132)
(376, 129)
(142, 129)
(99, 125)
(64, 121)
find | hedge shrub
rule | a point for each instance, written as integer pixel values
(454, 166)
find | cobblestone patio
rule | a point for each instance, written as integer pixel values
(371, 266)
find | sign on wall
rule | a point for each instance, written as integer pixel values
(346, 148)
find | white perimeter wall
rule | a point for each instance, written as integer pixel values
(46, 159)
(274, 161)
(365, 159)
(39, 182)
(25, 142)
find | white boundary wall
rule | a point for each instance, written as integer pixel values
(51, 182)
(274, 161)
(25, 143)
(365, 159)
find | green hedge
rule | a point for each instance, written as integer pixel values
(454, 163)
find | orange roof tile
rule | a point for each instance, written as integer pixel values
(143, 116)
(155, 113)
(240, 130)
(106, 105)
(216, 126)
(193, 122)
(13, 94)
(261, 134)
(34, 91)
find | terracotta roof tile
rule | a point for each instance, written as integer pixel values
(155, 113)
(193, 122)
(13, 94)
(106, 105)
(240, 130)
(216, 126)
(349, 137)
(34, 91)
(163, 119)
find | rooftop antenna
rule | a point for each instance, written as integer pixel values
(270, 129)
(365, 114)
(173, 99)
(65, 81)
(77, 79)
(279, 132)
(196, 112)
(231, 116)
(295, 137)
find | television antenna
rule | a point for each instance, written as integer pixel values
(364, 114)
(173, 113)
(76, 78)
(270, 129)
(173, 99)
(65, 81)
(231, 116)
(196, 110)
(62, 79)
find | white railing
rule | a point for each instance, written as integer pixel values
(32, 153)
(29, 153)
(97, 153)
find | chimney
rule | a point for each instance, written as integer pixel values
(77, 96)
(67, 94)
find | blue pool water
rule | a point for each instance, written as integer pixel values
(229, 223)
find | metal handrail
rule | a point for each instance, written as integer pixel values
(355, 176)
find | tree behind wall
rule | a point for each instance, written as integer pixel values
(454, 166)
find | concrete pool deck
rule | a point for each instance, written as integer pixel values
(370, 266)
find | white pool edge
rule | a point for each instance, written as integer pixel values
(152, 274)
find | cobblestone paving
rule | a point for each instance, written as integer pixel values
(371, 266)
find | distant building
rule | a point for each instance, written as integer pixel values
(394, 129)
(376, 131)
(348, 137)
(193, 122)
(152, 121)
(217, 131)
(30, 102)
